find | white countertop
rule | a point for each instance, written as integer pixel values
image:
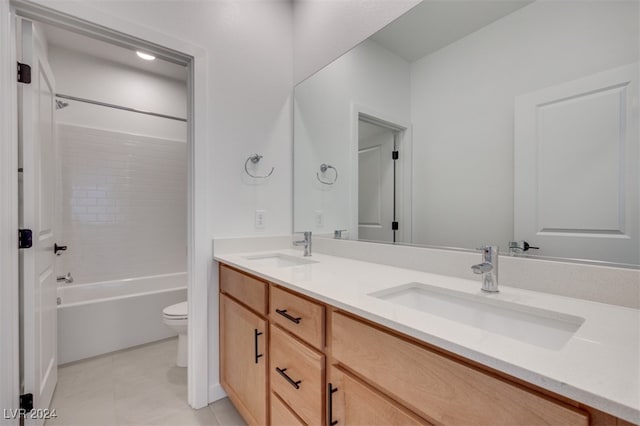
(599, 366)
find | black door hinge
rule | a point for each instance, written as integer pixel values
(24, 73)
(25, 238)
(394, 226)
(394, 155)
(26, 402)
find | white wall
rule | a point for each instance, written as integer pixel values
(123, 174)
(248, 110)
(78, 74)
(370, 76)
(124, 205)
(325, 29)
(462, 103)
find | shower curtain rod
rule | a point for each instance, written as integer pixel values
(89, 101)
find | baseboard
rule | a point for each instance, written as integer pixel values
(216, 392)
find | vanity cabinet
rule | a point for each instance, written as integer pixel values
(287, 359)
(439, 388)
(243, 346)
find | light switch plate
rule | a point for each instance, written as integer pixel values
(260, 219)
(319, 218)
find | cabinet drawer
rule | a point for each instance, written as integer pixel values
(281, 415)
(296, 373)
(300, 316)
(440, 388)
(245, 288)
(354, 403)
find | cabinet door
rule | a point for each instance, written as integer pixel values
(353, 403)
(243, 360)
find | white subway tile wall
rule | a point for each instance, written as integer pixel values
(124, 204)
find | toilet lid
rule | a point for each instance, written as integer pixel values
(177, 310)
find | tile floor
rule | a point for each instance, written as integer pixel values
(137, 386)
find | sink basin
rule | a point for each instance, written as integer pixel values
(540, 327)
(279, 260)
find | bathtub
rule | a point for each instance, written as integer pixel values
(98, 318)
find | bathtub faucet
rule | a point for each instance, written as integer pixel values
(67, 279)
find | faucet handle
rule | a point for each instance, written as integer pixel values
(489, 253)
(487, 248)
(337, 234)
(67, 279)
(516, 245)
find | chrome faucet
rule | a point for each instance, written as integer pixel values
(488, 268)
(67, 279)
(306, 243)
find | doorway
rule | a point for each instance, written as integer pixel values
(377, 150)
(46, 181)
(383, 179)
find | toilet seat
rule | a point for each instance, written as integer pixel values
(175, 312)
(175, 317)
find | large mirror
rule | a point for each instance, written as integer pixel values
(466, 123)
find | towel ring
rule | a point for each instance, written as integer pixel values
(255, 159)
(323, 169)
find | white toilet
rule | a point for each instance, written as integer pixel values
(175, 316)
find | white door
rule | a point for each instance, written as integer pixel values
(576, 168)
(375, 182)
(38, 152)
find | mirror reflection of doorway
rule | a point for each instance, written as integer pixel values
(377, 182)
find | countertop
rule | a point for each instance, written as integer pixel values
(598, 366)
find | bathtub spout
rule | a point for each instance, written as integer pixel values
(67, 279)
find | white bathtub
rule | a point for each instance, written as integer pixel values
(103, 317)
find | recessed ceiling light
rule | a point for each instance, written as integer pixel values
(145, 56)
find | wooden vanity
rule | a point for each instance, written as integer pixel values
(287, 359)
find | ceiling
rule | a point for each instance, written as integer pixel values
(434, 24)
(86, 45)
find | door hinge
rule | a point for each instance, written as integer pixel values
(26, 402)
(394, 226)
(24, 73)
(25, 238)
(394, 155)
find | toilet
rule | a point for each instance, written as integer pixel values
(175, 316)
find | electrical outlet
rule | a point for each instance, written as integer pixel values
(260, 219)
(319, 218)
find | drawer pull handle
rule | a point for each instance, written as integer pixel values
(295, 384)
(284, 313)
(256, 333)
(330, 421)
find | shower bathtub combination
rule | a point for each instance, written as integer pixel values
(102, 317)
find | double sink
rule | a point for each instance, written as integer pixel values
(540, 327)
